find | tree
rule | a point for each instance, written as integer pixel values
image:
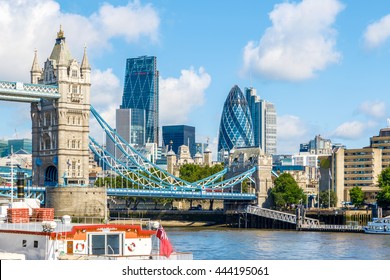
(286, 191)
(194, 172)
(383, 196)
(357, 196)
(324, 198)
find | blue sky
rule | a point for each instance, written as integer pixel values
(324, 64)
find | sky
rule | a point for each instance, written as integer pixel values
(324, 64)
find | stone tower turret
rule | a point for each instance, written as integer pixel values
(36, 72)
(60, 127)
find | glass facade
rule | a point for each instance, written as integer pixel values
(236, 128)
(179, 135)
(141, 92)
(263, 114)
(20, 144)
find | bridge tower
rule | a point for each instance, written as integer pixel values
(60, 127)
(242, 159)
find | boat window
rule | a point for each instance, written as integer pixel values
(105, 244)
(24, 243)
(35, 244)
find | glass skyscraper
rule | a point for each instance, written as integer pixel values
(263, 116)
(179, 135)
(236, 127)
(141, 95)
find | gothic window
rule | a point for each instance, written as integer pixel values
(74, 120)
(73, 144)
(74, 73)
(46, 142)
(78, 120)
(74, 89)
(78, 144)
(48, 119)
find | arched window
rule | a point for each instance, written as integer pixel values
(46, 142)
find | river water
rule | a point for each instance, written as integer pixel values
(255, 244)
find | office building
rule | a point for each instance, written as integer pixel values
(355, 168)
(317, 146)
(141, 97)
(382, 141)
(178, 135)
(264, 120)
(236, 128)
(20, 144)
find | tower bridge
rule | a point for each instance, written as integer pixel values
(59, 94)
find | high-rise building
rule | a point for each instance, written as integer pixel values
(382, 141)
(141, 96)
(20, 144)
(236, 127)
(263, 116)
(3, 148)
(178, 135)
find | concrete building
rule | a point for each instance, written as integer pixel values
(317, 146)
(355, 168)
(382, 141)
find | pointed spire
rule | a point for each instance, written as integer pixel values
(60, 34)
(35, 65)
(62, 60)
(85, 62)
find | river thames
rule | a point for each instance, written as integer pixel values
(254, 244)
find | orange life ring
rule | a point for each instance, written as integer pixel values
(79, 246)
(131, 247)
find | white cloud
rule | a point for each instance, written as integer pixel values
(376, 109)
(350, 130)
(290, 127)
(106, 97)
(378, 32)
(179, 96)
(32, 24)
(299, 43)
(292, 131)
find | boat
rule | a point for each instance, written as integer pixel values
(41, 237)
(378, 226)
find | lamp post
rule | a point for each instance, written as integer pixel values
(12, 177)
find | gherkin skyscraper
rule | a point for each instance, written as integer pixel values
(236, 128)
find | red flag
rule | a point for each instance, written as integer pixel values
(165, 245)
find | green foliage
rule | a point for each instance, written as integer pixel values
(286, 191)
(384, 178)
(193, 172)
(357, 196)
(324, 198)
(383, 197)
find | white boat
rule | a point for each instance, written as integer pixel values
(378, 226)
(63, 240)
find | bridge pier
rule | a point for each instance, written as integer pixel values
(77, 201)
